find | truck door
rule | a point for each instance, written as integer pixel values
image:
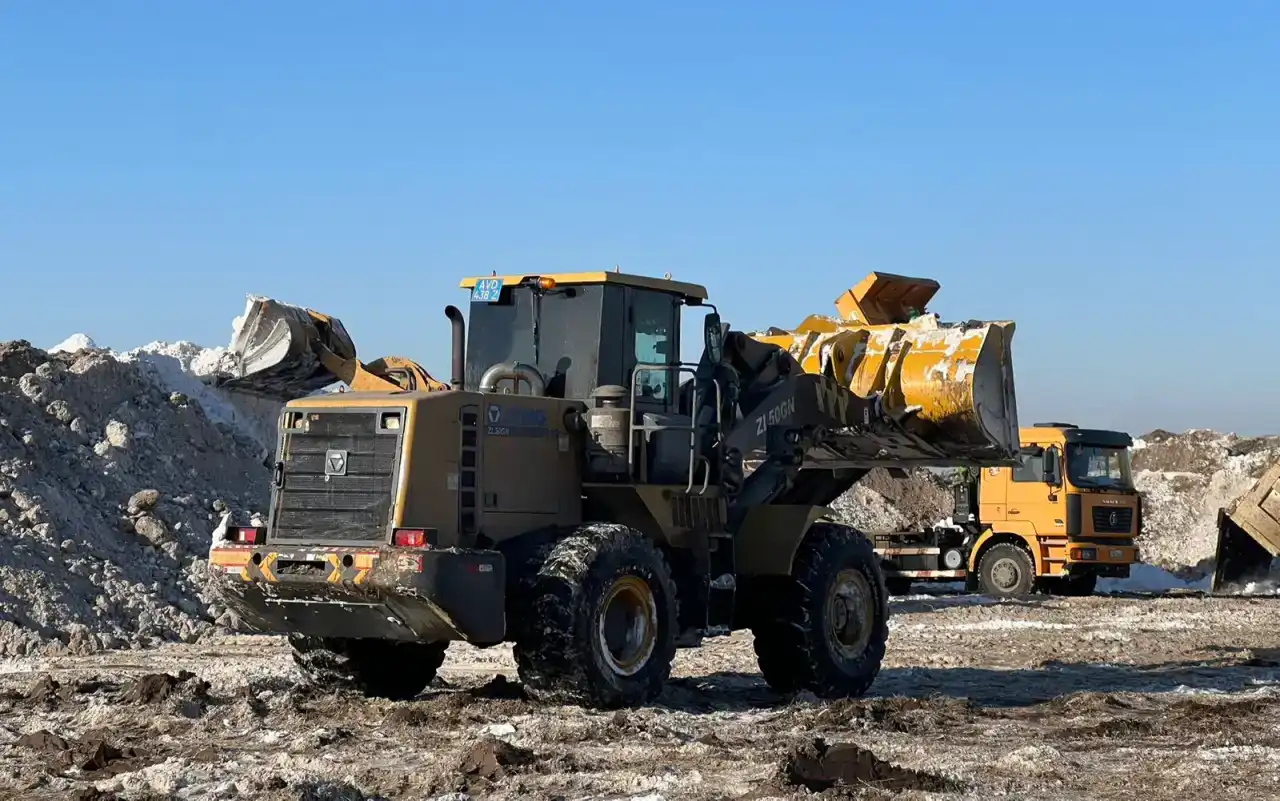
(1032, 497)
(992, 489)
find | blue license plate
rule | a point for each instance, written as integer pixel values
(487, 290)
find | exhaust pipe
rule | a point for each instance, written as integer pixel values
(459, 345)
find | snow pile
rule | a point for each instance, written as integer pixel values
(1184, 480)
(74, 344)
(113, 472)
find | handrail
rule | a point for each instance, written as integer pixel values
(694, 429)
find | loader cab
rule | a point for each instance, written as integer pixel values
(578, 332)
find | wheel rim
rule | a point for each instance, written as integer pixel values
(1006, 574)
(850, 613)
(628, 625)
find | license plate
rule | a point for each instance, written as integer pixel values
(1117, 554)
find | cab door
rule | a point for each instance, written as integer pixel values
(1034, 494)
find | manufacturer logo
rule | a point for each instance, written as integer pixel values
(335, 463)
(495, 413)
(1113, 518)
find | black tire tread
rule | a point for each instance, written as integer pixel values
(553, 645)
(790, 645)
(992, 554)
(374, 668)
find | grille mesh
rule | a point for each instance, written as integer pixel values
(350, 507)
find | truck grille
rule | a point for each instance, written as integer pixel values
(1102, 519)
(339, 478)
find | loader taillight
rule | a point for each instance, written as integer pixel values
(247, 534)
(410, 538)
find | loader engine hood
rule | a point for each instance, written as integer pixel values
(948, 385)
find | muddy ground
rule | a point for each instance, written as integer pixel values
(1093, 698)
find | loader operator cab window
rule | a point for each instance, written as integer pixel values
(653, 337)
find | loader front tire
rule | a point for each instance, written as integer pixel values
(600, 624)
(824, 628)
(374, 668)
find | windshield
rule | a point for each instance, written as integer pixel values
(1095, 466)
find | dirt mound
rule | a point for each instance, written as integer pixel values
(111, 482)
(880, 502)
(819, 766)
(488, 762)
(1184, 480)
(898, 713)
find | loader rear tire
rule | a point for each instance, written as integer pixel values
(1006, 571)
(600, 621)
(374, 668)
(826, 625)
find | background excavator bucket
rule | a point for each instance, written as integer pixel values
(950, 385)
(1249, 534)
(277, 349)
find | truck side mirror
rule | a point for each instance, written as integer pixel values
(1051, 476)
(713, 337)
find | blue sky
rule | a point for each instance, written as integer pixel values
(1105, 174)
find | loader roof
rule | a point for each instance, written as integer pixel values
(686, 290)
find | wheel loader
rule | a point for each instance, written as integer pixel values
(1249, 535)
(578, 491)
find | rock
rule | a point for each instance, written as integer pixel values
(118, 434)
(143, 501)
(151, 529)
(34, 387)
(60, 411)
(80, 428)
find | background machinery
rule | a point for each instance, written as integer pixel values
(570, 493)
(1066, 514)
(1249, 534)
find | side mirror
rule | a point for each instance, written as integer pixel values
(713, 337)
(1051, 476)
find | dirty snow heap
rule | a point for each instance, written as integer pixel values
(114, 470)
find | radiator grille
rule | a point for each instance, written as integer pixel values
(339, 479)
(1102, 519)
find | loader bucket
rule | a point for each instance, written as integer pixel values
(1249, 534)
(277, 348)
(949, 384)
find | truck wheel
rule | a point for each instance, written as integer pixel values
(829, 621)
(600, 630)
(1006, 571)
(375, 668)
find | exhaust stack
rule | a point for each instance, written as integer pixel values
(459, 345)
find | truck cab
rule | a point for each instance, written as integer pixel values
(1065, 515)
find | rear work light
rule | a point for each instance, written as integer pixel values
(410, 538)
(247, 534)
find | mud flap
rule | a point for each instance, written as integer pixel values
(1239, 557)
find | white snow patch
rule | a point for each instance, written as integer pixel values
(1149, 578)
(74, 344)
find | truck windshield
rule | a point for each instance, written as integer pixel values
(1095, 466)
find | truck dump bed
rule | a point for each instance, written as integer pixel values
(1249, 534)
